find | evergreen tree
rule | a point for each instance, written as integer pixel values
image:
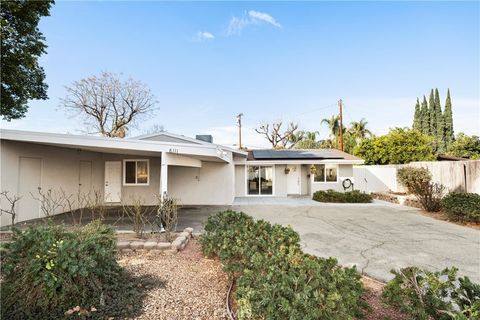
(432, 114)
(417, 117)
(448, 118)
(440, 123)
(425, 117)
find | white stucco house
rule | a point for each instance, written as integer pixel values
(195, 171)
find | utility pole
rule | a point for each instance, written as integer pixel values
(341, 124)
(239, 122)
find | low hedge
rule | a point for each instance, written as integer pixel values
(276, 280)
(342, 197)
(464, 207)
(48, 270)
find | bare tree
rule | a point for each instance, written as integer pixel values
(12, 200)
(109, 105)
(279, 138)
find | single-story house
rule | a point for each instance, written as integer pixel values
(194, 171)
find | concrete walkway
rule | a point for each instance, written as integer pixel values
(375, 237)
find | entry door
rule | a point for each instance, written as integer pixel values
(293, 179)
(29, 180)
(85, 177)
(113, 181)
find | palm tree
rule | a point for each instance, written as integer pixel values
(358, 129)
(311, 135)
(333, 125)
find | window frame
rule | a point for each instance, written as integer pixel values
(325, 172)
(125, 183)
(260, 192)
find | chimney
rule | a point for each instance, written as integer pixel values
(204, 137)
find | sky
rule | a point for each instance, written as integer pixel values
(206, 62)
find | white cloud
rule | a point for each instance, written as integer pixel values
(204, 35)
(264, 17)
(237, 24)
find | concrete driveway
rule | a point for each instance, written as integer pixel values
(375, 237)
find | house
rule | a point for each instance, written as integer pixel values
(195, 171)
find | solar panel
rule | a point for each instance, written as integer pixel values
(295, 154)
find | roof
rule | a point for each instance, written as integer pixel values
(446, 157)
(185, 139)
(300, 154)
(117, 145)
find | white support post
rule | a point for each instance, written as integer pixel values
(164, 174)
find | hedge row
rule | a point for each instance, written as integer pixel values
(342, 197)
(276, 280)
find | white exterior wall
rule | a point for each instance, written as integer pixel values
(344, 171)
(212, 184)
(452, 174)
(240, 176)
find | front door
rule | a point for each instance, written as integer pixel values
(293, 179)
(29, 182)
(113, 181)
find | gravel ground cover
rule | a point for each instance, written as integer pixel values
(188, 287)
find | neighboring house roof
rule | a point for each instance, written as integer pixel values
(302, 156)
(446, 157)
(168, 136)
(117, 145)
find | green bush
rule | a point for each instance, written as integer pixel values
(463, 207)
(426, 295)
(47, 270)
(410, 176)
(342, 197)
(418, 182)
(276, 280)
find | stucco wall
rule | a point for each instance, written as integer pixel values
(212, 184)
(240, 181)
(60, 169)
(344, 171)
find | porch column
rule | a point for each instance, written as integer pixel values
(164, 175)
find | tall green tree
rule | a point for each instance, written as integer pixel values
(359, 130)
(22, 78)
(432, 114)
(398, 146)
(417, 117)
(425, 117)
(440, 123)
(465, 146)
(448, 118)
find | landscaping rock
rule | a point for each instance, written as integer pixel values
(189, 230)
(176, 245)
(184, 234)
(181, 238)
(123, 245)
(136, 245)
(150, 245)
(163, 245)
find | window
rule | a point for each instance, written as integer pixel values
(326, 173)
(260, 180)
(135, 172)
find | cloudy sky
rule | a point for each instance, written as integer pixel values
(207, 62)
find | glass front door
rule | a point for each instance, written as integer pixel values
(260, 180)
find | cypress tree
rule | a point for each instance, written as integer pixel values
(448, 116)
(432, 114)
(440, 123)
(425, 117)
(417, 117)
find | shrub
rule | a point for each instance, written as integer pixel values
(276, 280)
(409, 176)
(418, 182)
(464, 207)
(342, 197)
(48, 270)
(428, 295)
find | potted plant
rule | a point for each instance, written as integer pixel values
(287, 170)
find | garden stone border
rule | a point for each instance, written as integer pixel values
(150, 244)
